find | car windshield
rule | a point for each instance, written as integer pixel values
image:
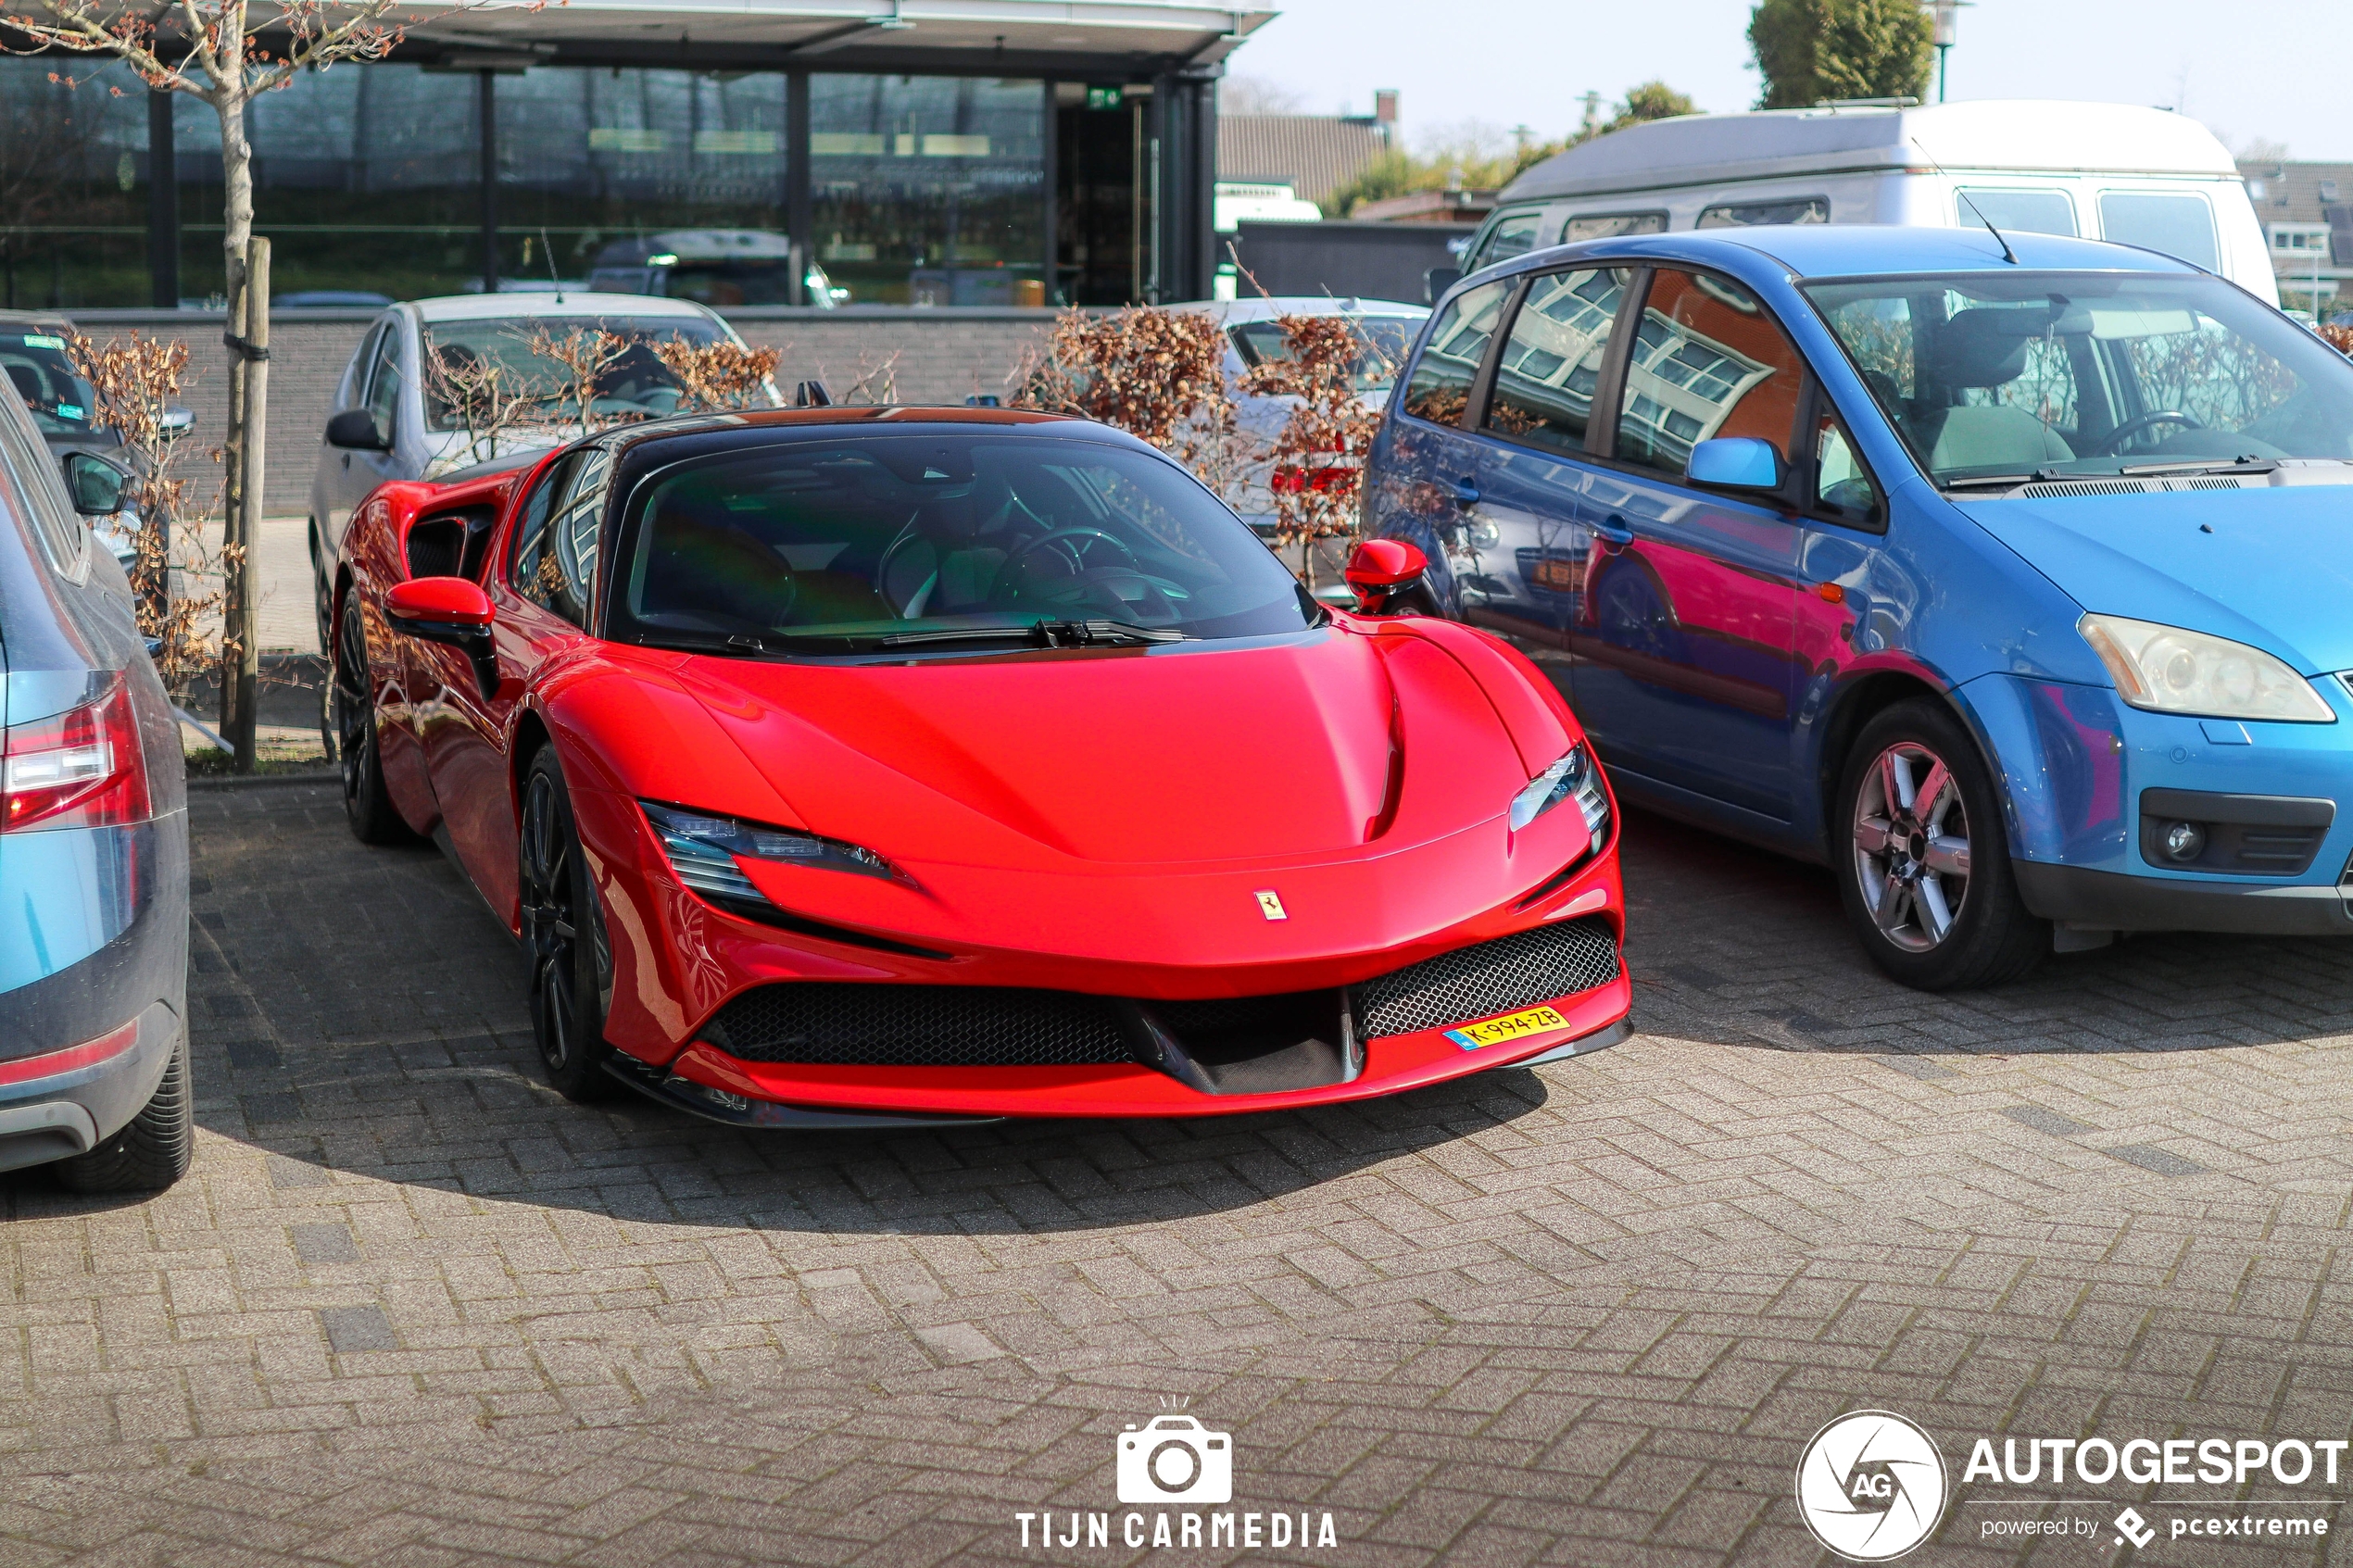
(1992, 378)
(1387, 340)
(861, 543)
(626, 380)
(62, 402)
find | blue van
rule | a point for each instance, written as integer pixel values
(2007, 573)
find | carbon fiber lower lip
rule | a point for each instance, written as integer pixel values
(738, 1110)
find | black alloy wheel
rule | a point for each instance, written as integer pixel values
(352, 714)
(1922, 862)
(562, 936)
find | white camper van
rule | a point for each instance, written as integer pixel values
(2107, 171)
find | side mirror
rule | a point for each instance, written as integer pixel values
(1736, 462)
(356, 429)
(1438, 280)
(176, 423)
(451, 611)
(95, 484)
(1380, 570)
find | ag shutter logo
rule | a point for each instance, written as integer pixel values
(1871, 1486)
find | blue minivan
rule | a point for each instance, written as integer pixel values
(2010, 574)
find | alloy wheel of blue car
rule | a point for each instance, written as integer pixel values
(1911, 846)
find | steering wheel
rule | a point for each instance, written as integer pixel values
(1067, 544)
(2133, 427)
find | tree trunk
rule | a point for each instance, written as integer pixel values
(236, 188)
(247, 626)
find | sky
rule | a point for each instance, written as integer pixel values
(2268, 69)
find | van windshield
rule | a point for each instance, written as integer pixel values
(2004, 377)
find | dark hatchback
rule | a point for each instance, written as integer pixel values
(94, 853)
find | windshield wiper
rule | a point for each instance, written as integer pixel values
(2195, 465)
(1042, 634)
(1989, 481)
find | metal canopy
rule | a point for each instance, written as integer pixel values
(1030, 36)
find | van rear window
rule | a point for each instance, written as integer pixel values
(2033, 212)
(1609, 225)
(1742, 215)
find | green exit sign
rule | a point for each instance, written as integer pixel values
(1105, 97)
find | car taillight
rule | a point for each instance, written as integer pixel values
(79, 769)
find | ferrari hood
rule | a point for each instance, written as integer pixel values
(2272, 568)
(1325, 742)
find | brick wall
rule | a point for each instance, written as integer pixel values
(942, 357)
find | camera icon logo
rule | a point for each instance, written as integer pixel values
(1175, 1460)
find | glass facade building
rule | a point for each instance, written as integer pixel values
(447, 173)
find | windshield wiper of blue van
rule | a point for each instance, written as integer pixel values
(1042, 634)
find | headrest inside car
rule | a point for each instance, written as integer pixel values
(1984, 347)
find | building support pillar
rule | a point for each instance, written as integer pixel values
(801, 212)
(486, 100)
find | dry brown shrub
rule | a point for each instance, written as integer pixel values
(720, 377)
(133, 381)
(2338, 338)
(1157, 374)
(877, 381)
(1319, 457)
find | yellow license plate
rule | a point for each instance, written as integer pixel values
(1496, 1031)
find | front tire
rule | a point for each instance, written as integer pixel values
(153, 1148)
(1922, 861)
(561, 933)
(366, 805)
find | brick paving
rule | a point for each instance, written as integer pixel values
(412, 1308)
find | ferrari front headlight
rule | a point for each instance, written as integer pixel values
(1574, 776)
(2168, 670)
(703, 849)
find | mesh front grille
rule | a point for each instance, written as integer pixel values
(917, 1026)
(1511, 972)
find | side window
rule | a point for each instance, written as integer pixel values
(1452, 352)
(1609, 225)
(1843, 490)
(1551, 362)
(2035, 212)
(1513, 234)
(2179, 225)
(1741, 215)
(1708, 361)
(353, 391)
(574, 534)
(383, 379)
(533, 573)
(42, 483)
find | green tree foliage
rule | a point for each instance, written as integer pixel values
(1814, 50)
(1475, 156)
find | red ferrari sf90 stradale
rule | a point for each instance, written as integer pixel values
(864, 767)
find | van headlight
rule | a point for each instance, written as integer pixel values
(1574, 776)
(2168, 670)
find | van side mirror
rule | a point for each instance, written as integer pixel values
(1736, 462)
(1438, 280)
(1381, 569)
(95, 484)
(355, 430)
(176, 423)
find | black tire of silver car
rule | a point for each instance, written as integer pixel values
(366, 803)
(559, 932)
(153, 1149)
(1922, 861)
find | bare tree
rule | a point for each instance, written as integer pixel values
(1258, 94)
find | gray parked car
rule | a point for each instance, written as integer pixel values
(93, 852)
(389, 425)
(33, 354)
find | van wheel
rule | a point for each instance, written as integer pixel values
(154, 1150)
(1922, 861)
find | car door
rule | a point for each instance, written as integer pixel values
(1431, 467)
(1529, 532)
(376, 387)
(1686, 669)
(541, 594)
